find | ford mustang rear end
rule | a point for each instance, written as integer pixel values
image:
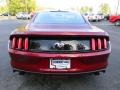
(59, 42)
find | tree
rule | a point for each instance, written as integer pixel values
(3, 9)
(16, 6)
(86, 9)
(105, 8)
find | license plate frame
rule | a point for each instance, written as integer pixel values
(60, 64)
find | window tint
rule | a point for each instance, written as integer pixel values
(59, 18)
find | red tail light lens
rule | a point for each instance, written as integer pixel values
(105, 43)
(99, 44)
(19, 43)
(26, 44)
(14, 43)
(93, 44)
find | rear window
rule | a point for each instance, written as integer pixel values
(59, 18)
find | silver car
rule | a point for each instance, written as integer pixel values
(23, 15)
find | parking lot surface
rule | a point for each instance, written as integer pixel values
(13, 81)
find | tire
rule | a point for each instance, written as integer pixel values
(97, 20)
(117, 23)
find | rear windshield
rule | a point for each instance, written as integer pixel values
(59, 18)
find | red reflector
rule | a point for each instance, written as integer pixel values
(99, 43)
(14, 43)
(105, 43)
(93, 44)
(26, 44)
(20, 43)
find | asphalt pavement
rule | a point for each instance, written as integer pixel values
(13, 81)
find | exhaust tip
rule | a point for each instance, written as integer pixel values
(103, 71)
(21, 73)
(96, 73)
(14, 71)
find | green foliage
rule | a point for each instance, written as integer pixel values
(3, 9)
(105, 8)
(16, 6)
(86, 9)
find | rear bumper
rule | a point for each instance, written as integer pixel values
(60, 73)
(40, 62)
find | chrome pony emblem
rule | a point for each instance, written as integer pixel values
(59, 45)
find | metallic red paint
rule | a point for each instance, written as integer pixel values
(39, 62)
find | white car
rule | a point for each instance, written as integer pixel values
(93, 17)
(23, 15)
(100, 16)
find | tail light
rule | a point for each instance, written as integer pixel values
(19, 43)
(99, 43)
(26, 44)
(14, 42)
(94, 44)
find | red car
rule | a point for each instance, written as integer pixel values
(115, 19)
(59, 42)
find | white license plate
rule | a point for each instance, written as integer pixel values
(60, 64)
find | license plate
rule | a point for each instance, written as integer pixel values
(59, 64)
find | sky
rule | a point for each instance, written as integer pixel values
(64, 4)
(2, 2)
(67, 4)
